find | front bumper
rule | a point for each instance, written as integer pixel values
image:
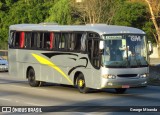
(123, 83)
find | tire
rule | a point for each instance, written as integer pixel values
(32, 78)
(81, 85)
(120, 90)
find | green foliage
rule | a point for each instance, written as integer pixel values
(21, 11)
(149, 29)
(130, 14)
(60, 12)
(118, 12)
(10, 2)
(29, 12)
(135, 15)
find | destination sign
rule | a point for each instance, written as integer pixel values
(113, 37)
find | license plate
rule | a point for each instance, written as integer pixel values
(125, 86)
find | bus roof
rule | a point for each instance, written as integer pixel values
(99, 28)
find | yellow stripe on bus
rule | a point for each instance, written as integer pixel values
(46, 62)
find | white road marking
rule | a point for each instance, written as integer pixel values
(5, 99)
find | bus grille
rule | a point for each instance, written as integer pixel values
(127, 75)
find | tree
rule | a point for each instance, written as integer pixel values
(4, 8)
(21, 11)
(60, 12)
(95, 11)
(131, 14)
(154, 8)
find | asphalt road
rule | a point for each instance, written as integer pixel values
(17, 92)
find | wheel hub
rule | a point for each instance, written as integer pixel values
(80, 83)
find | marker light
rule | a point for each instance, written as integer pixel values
(144, 75)
(109, 76)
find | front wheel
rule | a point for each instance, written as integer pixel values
(32, 78)
(81, 85)
(120, 90)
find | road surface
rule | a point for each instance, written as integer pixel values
(17, 92)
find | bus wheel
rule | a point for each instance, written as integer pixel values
(32, 79)
(80, 82)
(120, 90)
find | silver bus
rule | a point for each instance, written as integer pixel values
(94, 56)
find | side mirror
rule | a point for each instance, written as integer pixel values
(101, 45)
(150, 48)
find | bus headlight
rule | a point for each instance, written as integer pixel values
(109, 76)
(144, 75)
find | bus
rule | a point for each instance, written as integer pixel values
(91, 56)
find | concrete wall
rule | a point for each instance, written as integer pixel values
(155, 53)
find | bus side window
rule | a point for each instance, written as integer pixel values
(89, 48)
(72, 39)
(78, 41)
(56, 39)
(33, 40)
(62, 41)
(28, 39)
(47, 40)
(69, 41)
(39, 40)
(17, 40)
(83, 42)
(12, 39)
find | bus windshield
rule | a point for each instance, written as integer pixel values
(125, 51)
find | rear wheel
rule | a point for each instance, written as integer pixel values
(120, 90)
(32, 78)
(81, 85)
